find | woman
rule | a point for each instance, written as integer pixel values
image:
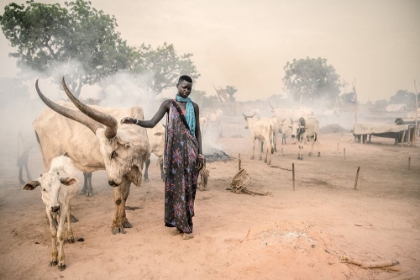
(183, 156)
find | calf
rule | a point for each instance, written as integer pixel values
(57, 186)
(306, 128)
(263, 131)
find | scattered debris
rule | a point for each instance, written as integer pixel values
(131, 208)
(379, 264)
(240, 182)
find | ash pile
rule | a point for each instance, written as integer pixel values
(212, 155)
(333, 128)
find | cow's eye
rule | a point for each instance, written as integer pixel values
(114, 154)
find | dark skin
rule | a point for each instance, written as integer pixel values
(184, 90)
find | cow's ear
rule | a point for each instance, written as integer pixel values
(31, 185)
(67, 181)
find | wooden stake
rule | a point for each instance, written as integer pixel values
(402, 139)
(357, 178)
(344, 152)
(409, 162)
(293, 175)
(239, 162)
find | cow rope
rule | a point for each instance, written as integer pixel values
(240, 182)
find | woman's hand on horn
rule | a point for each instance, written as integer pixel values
(128, 120)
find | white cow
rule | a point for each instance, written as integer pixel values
(156, 138)
(58, 187)
(214, 118)
(119, 149)
(203, 125)
(263, 131)
(306, 128)
(276, 129)
(286, 130)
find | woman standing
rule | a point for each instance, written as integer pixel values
(183, 157)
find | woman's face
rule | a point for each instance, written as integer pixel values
(184, 89)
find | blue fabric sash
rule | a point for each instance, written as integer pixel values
(189, 112)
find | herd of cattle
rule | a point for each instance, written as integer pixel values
(73, 136)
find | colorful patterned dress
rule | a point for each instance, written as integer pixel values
(181, 151)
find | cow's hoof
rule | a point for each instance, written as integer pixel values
(83, 192)
(319, 154)
(146, 179)
(53, 263)
(126, 224)
(73, 219)
(71, 239)
(61, 267)
(116, 230)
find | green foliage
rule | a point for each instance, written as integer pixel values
(404, 97)
(311, 79)
(77, 35)
(164, 65)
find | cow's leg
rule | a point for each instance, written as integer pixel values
(70, 235)
(146, 171)
(312, 145)
(87, 184)
(60, 236)
(317, 145)
(162, 173)
(53, 231)
(300, 155)
(253, 148)
(261, 150)
(120, 196)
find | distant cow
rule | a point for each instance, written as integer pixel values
(214, 118)
(26, 141)
(263, 131)
(203, 125)
(286, 130)
(156, 138)
(58, 187)
(306, 128)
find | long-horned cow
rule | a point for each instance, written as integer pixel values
(120, 150)
(263, 131)
(306, 128)
(58, 186)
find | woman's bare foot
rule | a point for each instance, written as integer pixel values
(187, 236)
(176, 232)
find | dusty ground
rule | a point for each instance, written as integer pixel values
(286, 235)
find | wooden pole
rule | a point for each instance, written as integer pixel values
(409, 162)
(357, 178)
(293, 175)
(417, 109)
(344, 152)
(402, 139)
(239, 162)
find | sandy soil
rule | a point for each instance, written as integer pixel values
(300, 234)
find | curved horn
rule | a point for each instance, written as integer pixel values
(69, 113)
(109, 121)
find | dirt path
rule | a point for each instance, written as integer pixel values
(286, 235)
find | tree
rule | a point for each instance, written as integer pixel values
(404, 97)
(230, 90)
(164, 66)
(311, 80)
(77, 37)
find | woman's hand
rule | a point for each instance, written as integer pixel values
(128, 121)
(200, 164)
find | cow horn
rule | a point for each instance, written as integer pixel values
(109, 121)
(69, 113)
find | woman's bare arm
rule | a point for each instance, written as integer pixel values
(163, 109)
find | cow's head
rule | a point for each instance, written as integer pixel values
(50, 185)
(123, 149)
(298, 128)
(248, 120)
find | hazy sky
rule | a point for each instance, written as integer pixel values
(246, 44)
